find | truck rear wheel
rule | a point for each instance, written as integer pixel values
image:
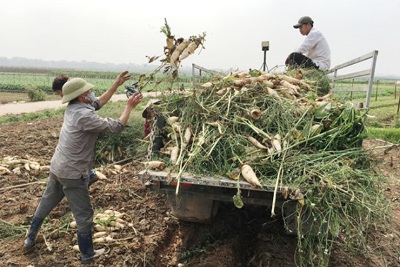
(192, 208)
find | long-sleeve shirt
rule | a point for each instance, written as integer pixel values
(317, 49)
(74, 153)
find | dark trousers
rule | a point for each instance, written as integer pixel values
(298, 60)
(78, 197)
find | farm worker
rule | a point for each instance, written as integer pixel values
(73, 158)
(149, 114)
(154, 121)
(97, 103)
(314, 52)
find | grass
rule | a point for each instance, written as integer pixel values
(11, 97)
(391, 135)
(10, 232)
(44, 114)
(127, 144)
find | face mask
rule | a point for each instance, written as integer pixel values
(91, 97)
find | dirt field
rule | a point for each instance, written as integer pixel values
(245, 237)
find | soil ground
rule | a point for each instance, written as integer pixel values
(237, 237)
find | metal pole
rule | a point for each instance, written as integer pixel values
(265, 60)
(398, 106)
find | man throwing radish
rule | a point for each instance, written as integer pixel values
(72, 161)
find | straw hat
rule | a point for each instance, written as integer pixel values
(148, 105)
(74, 88)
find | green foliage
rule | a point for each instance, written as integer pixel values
(35, 94)
(11, 88)
(397, 122)
(44, 114)
(10, 232)
(390, 135)
(128, 144)
(317, 79)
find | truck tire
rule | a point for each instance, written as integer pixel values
(192, 207)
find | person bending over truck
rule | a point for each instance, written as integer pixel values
(314, 52)
(153, 123)
(97, 103)
(73, 159)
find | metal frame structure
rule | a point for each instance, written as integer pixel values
(201, 69)
(368, 72)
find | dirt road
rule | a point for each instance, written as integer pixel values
(27, 107)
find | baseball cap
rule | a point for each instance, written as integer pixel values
(302, 21)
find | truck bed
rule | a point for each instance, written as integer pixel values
(221, 189)
(197, 197)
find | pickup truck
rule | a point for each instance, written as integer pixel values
(198, 197)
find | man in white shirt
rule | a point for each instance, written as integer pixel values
(314, 52)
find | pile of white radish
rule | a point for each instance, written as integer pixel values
(187, 139)
(107, 224)
(15, 165)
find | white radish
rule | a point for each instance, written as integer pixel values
(4, 170)
(155, 165)
(174, 60)
(276, 143)
(103, 239)
(272, 92)
(171, 120)
(99, 234)
(249, 175)
(26, 166)
(256, 143)
(170, 42)
(255, 113)
(72, 224)
(188, 135)
(174, 154)
(207, 85)
(101, 228)
(100, 175)
(188, 50)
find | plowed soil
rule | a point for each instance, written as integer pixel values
(237, 237)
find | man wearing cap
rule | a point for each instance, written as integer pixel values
(314, 52)
(73, 159)
(97, 103)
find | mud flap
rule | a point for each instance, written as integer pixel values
(192, 207)
(309, 225)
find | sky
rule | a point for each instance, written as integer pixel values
(126, 31)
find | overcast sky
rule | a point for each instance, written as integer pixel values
(125, 31)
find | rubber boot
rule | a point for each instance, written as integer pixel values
(85, 244)
(29, 242)
(92, 178)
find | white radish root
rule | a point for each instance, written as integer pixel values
(256, 143)
(155, 165)
(250, 176)
(174, 154)
(188, 50)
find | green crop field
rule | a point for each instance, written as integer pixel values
(383, 112)
(17, 81)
